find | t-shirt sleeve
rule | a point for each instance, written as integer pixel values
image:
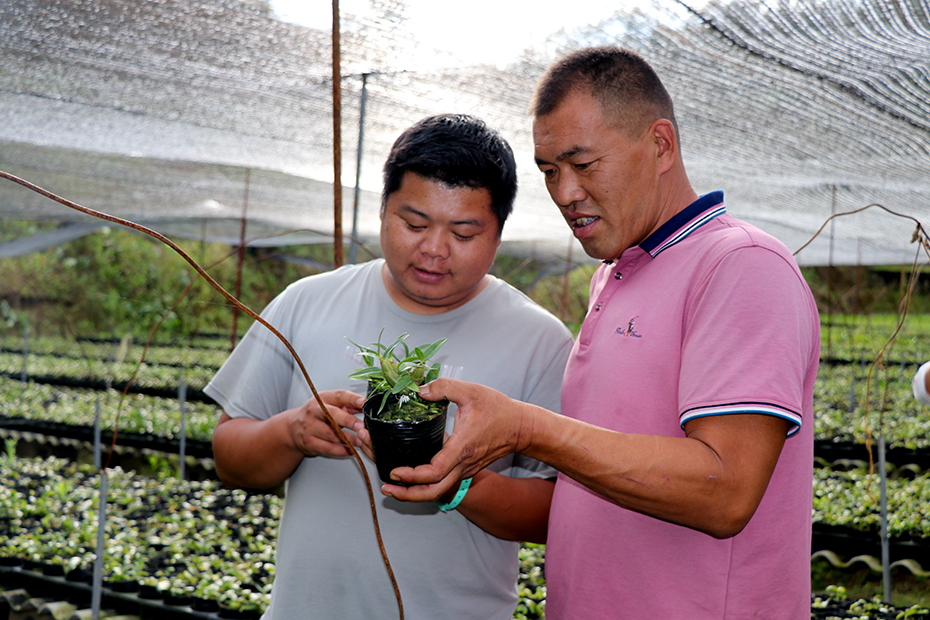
(749, 337)
(255, 380)
(919, 384)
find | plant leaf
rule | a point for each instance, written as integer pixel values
(404, 382)
(430, 350)
(366, 373)
(389, 351)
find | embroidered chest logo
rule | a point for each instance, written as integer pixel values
(630, 330)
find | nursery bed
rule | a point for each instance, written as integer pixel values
(92, 383)
(30, 588)
(847, 543)
(23, 588)
(141, 441)
(833, 451)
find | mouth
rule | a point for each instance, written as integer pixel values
(581, 222)
(427, 275)
(583, 226)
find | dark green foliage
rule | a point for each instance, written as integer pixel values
(867, 290)
(117, 281)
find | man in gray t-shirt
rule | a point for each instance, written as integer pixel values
(449, 186)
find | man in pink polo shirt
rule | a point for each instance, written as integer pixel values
(685, 450)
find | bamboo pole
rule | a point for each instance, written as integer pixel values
(337, 143)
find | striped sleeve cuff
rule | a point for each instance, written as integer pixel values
(793, 417)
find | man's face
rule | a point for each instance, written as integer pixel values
(438, 243)
(605, 183)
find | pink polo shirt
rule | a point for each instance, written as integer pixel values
(708, 316)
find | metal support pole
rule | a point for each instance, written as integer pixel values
(241, 260)
(830, 268)
(25, 374)
(97, 447)
(358, 168)
(182, 448)
(97, 590)
(852, 395)
(886, 559)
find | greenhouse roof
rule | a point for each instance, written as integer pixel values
(189, 114)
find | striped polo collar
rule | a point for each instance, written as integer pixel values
(685, 222)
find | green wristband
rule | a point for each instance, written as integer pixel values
(459, 496)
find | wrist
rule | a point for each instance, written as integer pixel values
(287, 425)
(529, 420)
(461, 490)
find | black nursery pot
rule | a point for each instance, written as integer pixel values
(402, 444)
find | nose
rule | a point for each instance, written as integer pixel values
(434, 244)
(565, 190)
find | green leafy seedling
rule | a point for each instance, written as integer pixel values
(393, 373)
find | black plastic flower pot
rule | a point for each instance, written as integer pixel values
(205, 604)
(53, 570)
(149, 592)
(402, 443)
(179, 600)
(80, 575)
(239, 614)
(123, 586)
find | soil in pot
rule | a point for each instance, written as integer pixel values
(402, 443)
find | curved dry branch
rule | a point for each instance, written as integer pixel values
(216, 285)
(921, 237)
(919, 234)
(174, 306)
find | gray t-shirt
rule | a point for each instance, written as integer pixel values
(328, 564)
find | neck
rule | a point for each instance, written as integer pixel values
(676, 193)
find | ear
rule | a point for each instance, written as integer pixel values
(666, 141)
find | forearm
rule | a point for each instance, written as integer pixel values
(254, 454)
(679, 479)
(260, 454)
(712, 479)
(509, 508)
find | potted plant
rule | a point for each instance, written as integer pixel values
(405, 429)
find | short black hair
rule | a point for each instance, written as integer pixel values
(629, 91)
(460, 151)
